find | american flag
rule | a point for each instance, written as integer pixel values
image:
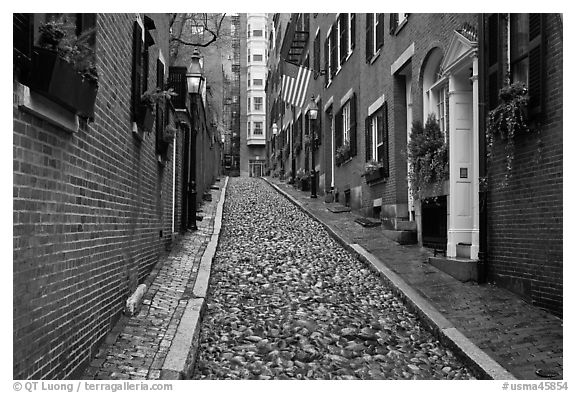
(295, 81)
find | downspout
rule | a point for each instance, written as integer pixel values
(482, 170)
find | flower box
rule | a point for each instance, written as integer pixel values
(58, 80)
(374, 175)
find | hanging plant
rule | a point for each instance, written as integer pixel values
(507, 120)
(428, 158)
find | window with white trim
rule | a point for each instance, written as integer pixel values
(258, 130)
(257, 103)
(346, 122)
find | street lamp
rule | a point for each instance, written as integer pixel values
(274, 129)
(194, 80)
(312, 116)
(195, 74)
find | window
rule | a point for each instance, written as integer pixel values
(345, 125)
(397, 21)
(257, 103)
(257, 33)
(248, 103)
(257, 57)
(374, 34)
(376, 135)
(316, 61)
(441, 97)
(526, 58)
(343, 36)
(258, 128)
(346, 121)
(257, 82)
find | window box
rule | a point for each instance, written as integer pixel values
(374, 175)
(58, 80)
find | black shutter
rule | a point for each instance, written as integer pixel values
(369, 36)
(326, 54)
(338, 132)
(535, 64)
(23, 25)
(160, 110)
(368, 138)
(343, 18)
(352, 31)
(317, 55)
(319, 123)
(353, 127)
(493, 42)
(136, 70)
(393, 23)
(333, 52)
(383, 153)
(380, 32)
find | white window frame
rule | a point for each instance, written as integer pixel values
(338, 21)
(258, 105)
(261, 128)
(346, 122)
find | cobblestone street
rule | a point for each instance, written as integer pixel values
(288, 302)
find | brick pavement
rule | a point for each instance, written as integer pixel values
(519, 336)
(138, 346)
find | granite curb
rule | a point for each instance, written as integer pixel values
(181, 357)
(479, 361)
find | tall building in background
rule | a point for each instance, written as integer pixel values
(253, 55)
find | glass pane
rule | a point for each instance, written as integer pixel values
(520, 71)
(518, 35)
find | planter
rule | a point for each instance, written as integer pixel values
(372, 176)
(58, 80)
(146, 118)
(342, 158)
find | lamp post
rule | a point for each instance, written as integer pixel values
(312, 116)
(274, 133)
(194, 80)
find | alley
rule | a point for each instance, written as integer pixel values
(287, 302)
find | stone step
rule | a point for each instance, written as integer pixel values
(401, 237)
(405, 225)
(368, 222)
(462, 269)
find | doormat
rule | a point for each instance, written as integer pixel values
(338, 209)
(368, 222)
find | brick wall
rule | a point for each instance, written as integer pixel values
(88, 211)
(525, 218)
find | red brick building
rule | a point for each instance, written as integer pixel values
(98, 187)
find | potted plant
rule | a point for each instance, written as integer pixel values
(298, 177)
(169, 133)
(297, 147)
(64, 67)
(428, 158)
(305, 181)
(148, 102)
(373, 170)
(508, 119)
(342, 153)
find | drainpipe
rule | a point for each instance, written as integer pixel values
(482, 170)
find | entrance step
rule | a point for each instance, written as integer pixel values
(462, 269)
(401, 237)
(368, 222)
(338, 209)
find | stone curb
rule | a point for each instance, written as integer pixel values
(479, 361)
(181, 357)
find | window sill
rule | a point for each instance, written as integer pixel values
(400, 26)
(375, 56)
(45, 109)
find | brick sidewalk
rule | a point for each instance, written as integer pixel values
(520, 337)
(138, 346)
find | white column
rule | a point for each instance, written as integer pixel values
(475, 161)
